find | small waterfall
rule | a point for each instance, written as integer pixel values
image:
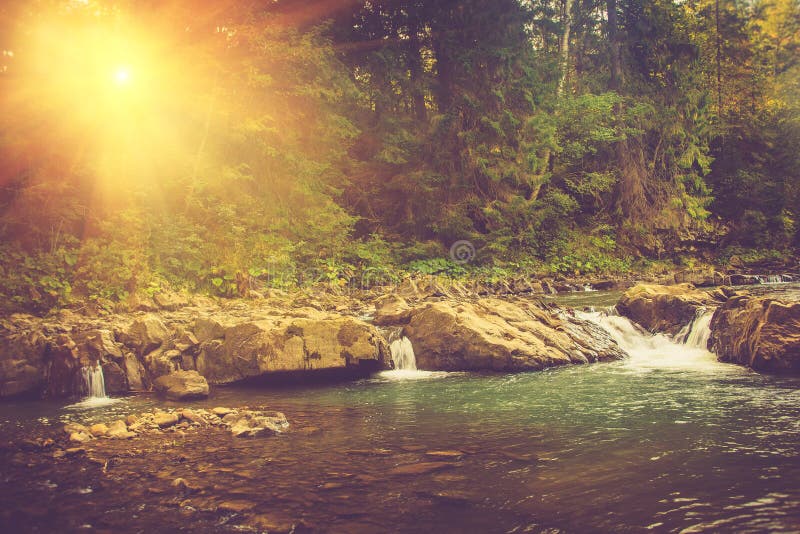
(403, 354)
(699, 330)
(773, 279)
(94, 385)
(657, 351)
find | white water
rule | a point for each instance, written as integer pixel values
(405, 362)
(403, 354)
(93, 387)
(650, 352)
(772, 279)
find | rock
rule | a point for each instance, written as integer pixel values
(193, 417)
(446, 454)
(492, 334)
(99, 345)
(131, 420)
(236, 506)
(168, 300)
(221, 411)
(207, 328)
(22, 363)
(133, 372)
(182, 385)
(164, 420)
(421, 468)
(744, 280)
(114, 378)
(391, 310)
(119, 430)
(253, 424)
(707, 277)
(186, 341)
(80, 437)
(664, 309)
(322, 341)
(759, 332)
(69, 428)
(98, 430)
(146, 334)
(162, 362)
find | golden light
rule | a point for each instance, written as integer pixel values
(122, 76)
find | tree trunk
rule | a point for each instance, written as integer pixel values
(615, 83)
(415, 68)
(566, 21)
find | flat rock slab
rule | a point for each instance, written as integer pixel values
(421, 468)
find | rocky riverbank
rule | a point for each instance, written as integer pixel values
(179, 345)
(181, 349)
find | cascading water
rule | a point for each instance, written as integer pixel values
(699, 330)
(773, 279)
(92, 388)
(94, 384)
(658, 351)
(405, 361)
(403, 354)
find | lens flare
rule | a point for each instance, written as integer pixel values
(122, 76)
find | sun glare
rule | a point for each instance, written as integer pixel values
(122, 76)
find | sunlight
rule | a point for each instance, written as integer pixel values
(122, 76)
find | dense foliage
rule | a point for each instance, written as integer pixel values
(289, 142)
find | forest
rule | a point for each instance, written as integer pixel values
(211, 146)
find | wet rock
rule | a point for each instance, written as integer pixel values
(493, 334)
(236, 506)
(69, 428)
(449, 455)
(664, 309)
(164, 420)
(421, 468)
(370, 452)
(221, 411)
(254, 424)
(706, 277)
(182, 385)
(80, 437)
(98, 430)
(759, 332)
(193, 417)
(133, 372)
(114, 378)
(744, 279)
(119, 430)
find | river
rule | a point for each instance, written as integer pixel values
(669, 440)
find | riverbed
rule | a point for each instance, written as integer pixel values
(668, 440)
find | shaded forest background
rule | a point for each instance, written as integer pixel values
(307, 141)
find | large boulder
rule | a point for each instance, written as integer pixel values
(666, 309)
(22, 364)
(273, 344)
(492, 334)
(182, 385)
(759, 332)
(146, 334)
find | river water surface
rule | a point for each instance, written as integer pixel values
(667, 441)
